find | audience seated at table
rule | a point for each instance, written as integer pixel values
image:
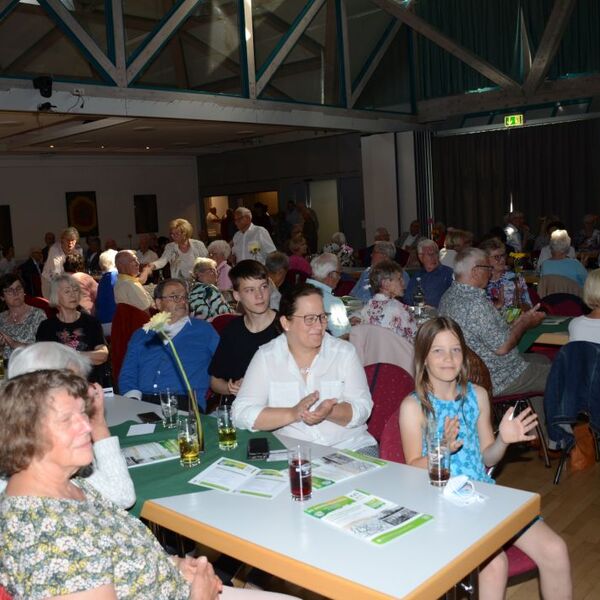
(326, 275)
(487, 332)
(588, 238)
(244, 335)
(181, 253)
(108, 473)
(505, 288)
(454, 242)
(149, 366)
(587, 328)
(545, 252)
(305, 383)
(381, 251)
(220, 251)
(341, 249)
(84, 547)
(105, 296)
(129, 288)
(53, 267)
(206, 300)
(19, 322)
(277, 265)
(31, 272)
(73, 327)
(435, 278)
(384, 309)
(88, 286)
(460, 411)
(558, 263)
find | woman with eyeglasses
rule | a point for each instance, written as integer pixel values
(505, 288)
(305, 383)
(19, 323)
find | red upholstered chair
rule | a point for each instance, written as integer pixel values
(389, 384)
(344, 287)
(4, 595)
(126, 320)
(43, 304)
(565, 305)
(221, 321)
(390, 448)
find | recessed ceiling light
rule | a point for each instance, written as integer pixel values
(101, 146)
(51, 145)
(144, 128)
(147, 147)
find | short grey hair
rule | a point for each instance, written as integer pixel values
(466, 259)
(277, 261)
(47, 355)
(54, 283)
(324, 264)
(120, 255)
(426, 243)
(242, 210)
(203, 263)
(220, 247)
(106, 261)
(386, 269)
(70, 232)
(387, 248)
(338, 238)
(560, 242)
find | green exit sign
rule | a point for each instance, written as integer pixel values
(514, 120)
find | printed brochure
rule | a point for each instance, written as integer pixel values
(342, 465)
(150, 453)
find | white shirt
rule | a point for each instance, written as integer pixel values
(54, 265)
(181, 263)
(255, 243)
(584, 329)
(147, 257)
(448, 257)
(273, 379)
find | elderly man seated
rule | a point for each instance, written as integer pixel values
(326, 276)
(486, 331)
(435, 278)
(381, 251)
(277, 265)
(149, 366)
(129, 288)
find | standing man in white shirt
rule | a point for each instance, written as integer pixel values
(251, 241)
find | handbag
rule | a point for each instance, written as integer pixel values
(583, 454)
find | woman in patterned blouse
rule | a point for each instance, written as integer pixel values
(59, 536)
(206, 300)
(384, 308)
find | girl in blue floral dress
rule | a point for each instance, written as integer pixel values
(461, 410)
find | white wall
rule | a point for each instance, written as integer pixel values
(379, 184)
(35, 188)
(407, 184)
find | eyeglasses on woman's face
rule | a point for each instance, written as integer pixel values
(486, 267)
(310, 320)
(14, 290)
(498, 257)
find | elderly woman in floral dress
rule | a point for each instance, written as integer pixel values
(341, 249)
(384, 309)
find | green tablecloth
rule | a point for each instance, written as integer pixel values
(169, 478)
(529, 337)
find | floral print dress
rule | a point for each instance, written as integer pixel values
(389, 313)
(57, 546)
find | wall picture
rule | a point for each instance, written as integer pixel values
(82, 213)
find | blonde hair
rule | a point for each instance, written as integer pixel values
(591, 289)
(184, 226)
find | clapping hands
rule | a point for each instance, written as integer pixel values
(451, 429)
(319, 414)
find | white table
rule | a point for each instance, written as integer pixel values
(276, 536)
(118, 409)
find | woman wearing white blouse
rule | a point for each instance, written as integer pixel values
(587, 328)
(182, 252)
(305, 383)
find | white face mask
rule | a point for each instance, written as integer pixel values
(460, 491)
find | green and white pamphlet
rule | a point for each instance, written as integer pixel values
(342, 465)
(237, 477)
(368, 517)
(151, 453)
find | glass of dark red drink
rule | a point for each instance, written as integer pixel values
(438, 460)
(300, 472)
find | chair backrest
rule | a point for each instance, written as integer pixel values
(566, 305)
(126, 320)
(375, 344)
(42, 303)
(477, 372)
(557, 284)
(221, 321)
(390, 444)
(344, 287)
(389, 384)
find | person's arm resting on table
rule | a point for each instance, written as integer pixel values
(528, 320)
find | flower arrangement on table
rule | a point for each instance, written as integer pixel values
(158, 324)
(254, 249)
(344, 252)
(517, 258)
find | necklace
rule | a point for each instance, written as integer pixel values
(304, 371)
(17, 318)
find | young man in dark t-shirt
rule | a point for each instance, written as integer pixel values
(243, 336)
